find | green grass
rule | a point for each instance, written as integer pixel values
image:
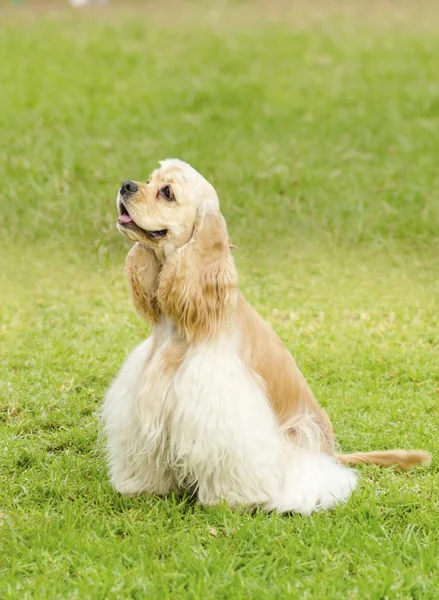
(321, 137)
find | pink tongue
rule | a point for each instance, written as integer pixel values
(124, 219)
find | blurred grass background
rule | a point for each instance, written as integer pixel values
(318, 126)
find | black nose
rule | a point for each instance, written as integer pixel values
(128, 187)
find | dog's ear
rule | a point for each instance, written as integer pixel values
(142, 268)
(198, 283)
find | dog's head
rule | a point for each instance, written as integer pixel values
(183, 267)
(162, 212)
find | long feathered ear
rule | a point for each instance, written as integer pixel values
(142, 268)
(198, 283)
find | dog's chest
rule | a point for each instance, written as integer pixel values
(189, 400)
(156, 399)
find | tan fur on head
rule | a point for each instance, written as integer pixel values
(151, 211)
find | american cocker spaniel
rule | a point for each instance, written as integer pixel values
(213, 401)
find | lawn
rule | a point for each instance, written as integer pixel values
(321, 134)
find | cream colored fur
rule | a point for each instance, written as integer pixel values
(213, 400)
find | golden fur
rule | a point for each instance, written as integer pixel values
(190, 278)
(197, 288)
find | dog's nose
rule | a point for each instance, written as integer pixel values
(128, 187)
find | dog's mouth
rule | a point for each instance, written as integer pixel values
(125, 221)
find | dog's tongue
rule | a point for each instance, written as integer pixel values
(124, 219)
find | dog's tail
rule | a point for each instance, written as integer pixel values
(402, 459)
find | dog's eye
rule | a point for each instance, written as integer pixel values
(167, 192)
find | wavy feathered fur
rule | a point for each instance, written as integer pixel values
(213, 400)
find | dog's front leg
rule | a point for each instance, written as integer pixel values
(224, 435)
(134, 445)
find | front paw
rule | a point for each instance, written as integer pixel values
(127, 487)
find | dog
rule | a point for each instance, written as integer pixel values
(213, 401)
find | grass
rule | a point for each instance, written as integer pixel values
(321, 136)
